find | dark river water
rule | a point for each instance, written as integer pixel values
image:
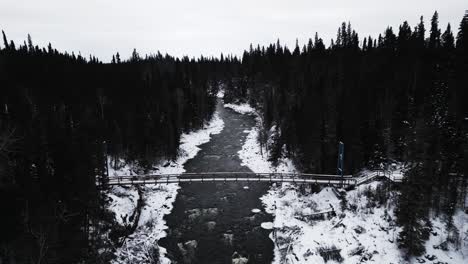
(212, 221)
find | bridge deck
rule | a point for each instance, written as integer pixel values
(233, 177)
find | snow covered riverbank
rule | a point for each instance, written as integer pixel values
(252, 154)
(304, 234)
(363, 231)
(348, 227)
(140, 247)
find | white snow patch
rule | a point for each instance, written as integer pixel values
(123, 202)
(256, 211)
(188, 149)
(220, 94)
(254, 157)
(190, 142)
(241, 108)
(158, 199)
(138, 247)
(439, 235)
(368, 227)
(305, 234)
(267, 225)
(252, 154)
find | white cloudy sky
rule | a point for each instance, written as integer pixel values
(209, 27)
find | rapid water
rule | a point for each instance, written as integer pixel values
(214, 222)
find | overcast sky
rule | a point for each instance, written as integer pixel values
(208, 27)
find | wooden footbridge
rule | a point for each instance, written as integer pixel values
(298, 178)
(246, 177)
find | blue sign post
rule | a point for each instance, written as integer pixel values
(340, 166)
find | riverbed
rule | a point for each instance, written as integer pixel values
(214, 222)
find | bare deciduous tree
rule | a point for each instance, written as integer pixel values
(8, 141)
(40, 236)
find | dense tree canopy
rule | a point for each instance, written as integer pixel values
(58, 109)
(400, 97)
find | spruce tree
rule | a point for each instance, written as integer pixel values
(404, 37)
(50, 50)
(434, 38)
(339, 38)
(12, 45)
(370, 43)
(462, 36)
(354, 40)
(296, 51)
(389, 39)
(318, 43)
(410, 213)
(5, 41)
(349, 35)
(419, 34)
(135, 56)
(448, 40)
(310, 45)
(30, 44)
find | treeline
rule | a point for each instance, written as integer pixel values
(400, 97)
(56, 112)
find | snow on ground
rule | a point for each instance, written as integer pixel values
(158, 199)
(220, 94)
(139, 246)
(267, 225)
(365, 231)
(254, 157)
(188, 149)
(123, 203)
(252, 154)
(256, 210)
(241, 108)
(306, 224)
(439, 235)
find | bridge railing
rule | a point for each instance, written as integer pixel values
(199, 174)
(234, 175)
(231, 176)
(360, 178)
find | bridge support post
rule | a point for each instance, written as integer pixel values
(340, 166)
